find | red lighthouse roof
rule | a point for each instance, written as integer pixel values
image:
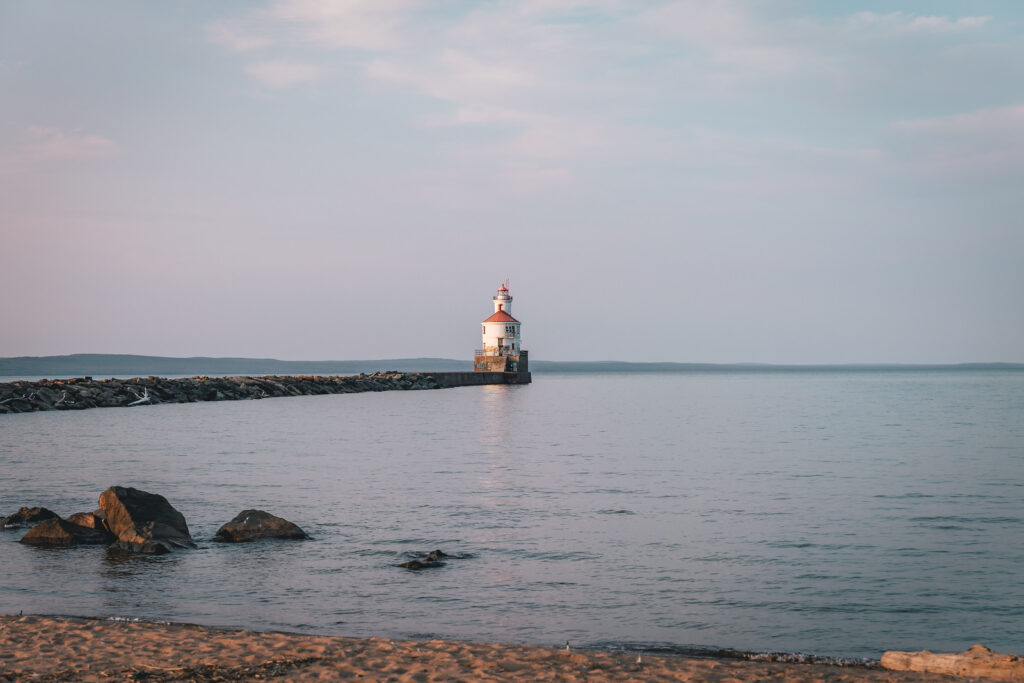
(501, 317)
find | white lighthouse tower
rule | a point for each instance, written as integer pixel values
(502, 341)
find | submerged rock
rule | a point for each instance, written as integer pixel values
(417, 564)
(431, 561)
(254, 525)
(27, 516)
(978, 661)
(62, 533)
(144, 522)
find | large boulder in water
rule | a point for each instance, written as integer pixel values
(253, 525)
(62, 533)
(144, 522)
(27, 516)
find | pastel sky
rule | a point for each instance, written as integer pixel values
(787, 181)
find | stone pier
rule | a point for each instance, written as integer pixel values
(85, 392)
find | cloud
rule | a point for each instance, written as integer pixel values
(505, 70)
(991, 122)
(902, 21)
(945, 24)
(367, 24)
(458, 76)
(704, 22)
(238, 35)
(987, 142)
(45, 143)
(735, 43)
(550, 92)
(361, 24)
(284, 73)
(728, 33)
(548, 59)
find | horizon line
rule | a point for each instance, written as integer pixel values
(751, 364)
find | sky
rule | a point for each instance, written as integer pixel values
(784, 181)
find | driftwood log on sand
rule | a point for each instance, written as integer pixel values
(978, 661)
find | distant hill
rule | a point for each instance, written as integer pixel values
(108, 365)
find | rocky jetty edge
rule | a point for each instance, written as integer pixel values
(85, 392)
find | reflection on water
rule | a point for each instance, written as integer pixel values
(836, 513)
(117, 563)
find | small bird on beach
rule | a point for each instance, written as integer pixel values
(567, 646)
(639, 662)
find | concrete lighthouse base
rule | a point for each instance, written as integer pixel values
(467, 379)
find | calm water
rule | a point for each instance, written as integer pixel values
(835, 513)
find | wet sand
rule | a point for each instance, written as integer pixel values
(79, 649)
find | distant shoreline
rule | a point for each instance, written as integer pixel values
(125, 365)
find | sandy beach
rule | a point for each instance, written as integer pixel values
(40, 648)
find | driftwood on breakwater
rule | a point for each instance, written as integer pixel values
(85, 392)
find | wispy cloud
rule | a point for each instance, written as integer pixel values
(917, 23)
(361, 24)
(986, 142)
(945, 24)
(367, 24)
(729, 33)
(283, 73)
(552, 87)
(44, 143)
(239, 35)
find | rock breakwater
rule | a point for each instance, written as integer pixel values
(85, 392)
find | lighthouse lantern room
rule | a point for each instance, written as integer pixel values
(502, 343)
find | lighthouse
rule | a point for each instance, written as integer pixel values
(502, 340)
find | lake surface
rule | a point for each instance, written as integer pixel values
(833, 513)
